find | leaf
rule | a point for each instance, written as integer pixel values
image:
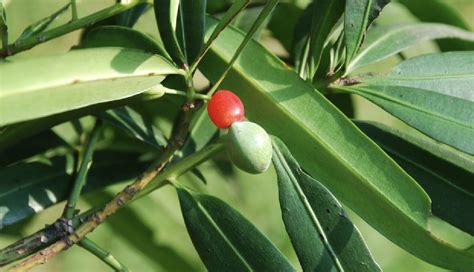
(449, 186)
(28, 188)
(119, 36)
(400, 38)
(450, 73)
(440, 12)
(358, 16)
(283, 22)
(323, 16)
(166, 13)
(129, 17)
(444, 118)
(224, 239)
(323, 236)
(331, 148)
(29, 147)
(42, 24)
(75, 80)
(134, 125)
(191, 18)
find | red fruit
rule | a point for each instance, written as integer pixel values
(225, 108)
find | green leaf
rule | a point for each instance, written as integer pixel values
(331, 148)
(323, 236)
(450, 73)
(323, 16)
(283, 23)
(440, 12)
(129, 17)
(28, 188)
(119, 36)
(31, 146)
(42, 24)
(166, 14)
(43, 86)
(191, 20)
(397, 39)
(444, 118)
(224, 239)
(358, 16)
(135, 125)
(449, 186)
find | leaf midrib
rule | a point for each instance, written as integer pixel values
(422, 167)
(309, 210)
(361, 91)
(221, 233)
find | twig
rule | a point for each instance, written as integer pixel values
(34, 40)
(105, 256)
(130, 193)
(85, 164)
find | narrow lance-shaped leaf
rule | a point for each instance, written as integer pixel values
(134, 124)
(450, 73)
(450, 187)
(445, 118)
(358, 16)
(166, 13)
(191, 18)
(331, 148)
(77, 79)
(118, 36)
(323, 236)
(440, 12)
(29, 188)
(395, 40)
(224, 239)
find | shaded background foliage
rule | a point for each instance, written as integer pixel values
(156, 238)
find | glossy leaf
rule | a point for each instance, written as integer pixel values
(166, 13)
(331, 148)
(323, 236)
(224, 239)
(119, 36)
(191, 18)
(450, 73)
(55, 84)
(444, 118)
(449, 186)
(397, 39)
(28, 188)
(135, 125)
(323, 16)
(437, 11)
(358, 16)
(282, 23)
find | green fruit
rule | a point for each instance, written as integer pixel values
(249, 147)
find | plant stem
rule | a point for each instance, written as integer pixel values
(130, 193)
(74, 10)
(85, 164)
(34, 40)
(105, 256)
(260, 19)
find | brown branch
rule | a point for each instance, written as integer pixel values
(121, 199)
